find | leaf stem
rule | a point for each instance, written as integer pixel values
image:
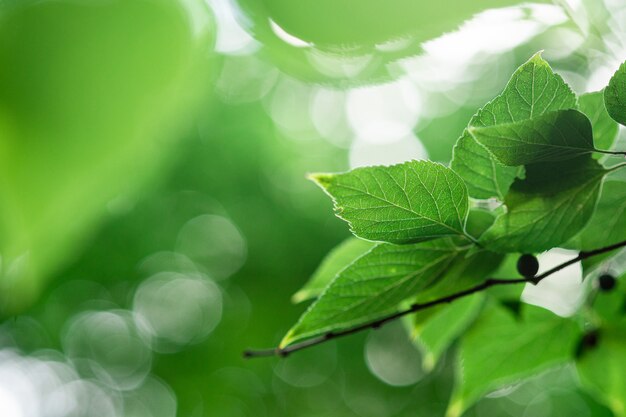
(491, 282)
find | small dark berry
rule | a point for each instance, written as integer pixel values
(527, 265)
(588, 342)
(607, 282)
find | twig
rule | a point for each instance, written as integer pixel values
(491, 282)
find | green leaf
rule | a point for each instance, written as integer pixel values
(405, 203)
(615, 96)
(374, 285)
(534, 89)
(484, 177)
(547, 208)
(608, 223)
(339, 258)
(605, 129)
(603, 369)
(439, 330)
(553, 136)
(479, 220)
(501, 349)
(465, 272)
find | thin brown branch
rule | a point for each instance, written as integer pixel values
(492, 282)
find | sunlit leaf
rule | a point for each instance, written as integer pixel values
(534, 89)
(374, 285)
(410, 202)
(553, 136)
(339, 258)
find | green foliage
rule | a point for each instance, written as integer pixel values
(605, 129)
(533, 150)
(532, 91)
(602, 368)
(501, 349)
(350, 32)
(69, 144)
(547, 208)
(374, 285)
(553, 136)
(608, 222)
(410, 202)
(436, 332)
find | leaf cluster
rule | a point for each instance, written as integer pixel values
(531, 172)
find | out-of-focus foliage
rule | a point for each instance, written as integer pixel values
(91, 104)
(349, 40)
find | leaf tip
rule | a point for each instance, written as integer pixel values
(537, 58)
(321, 179)
(299, 297)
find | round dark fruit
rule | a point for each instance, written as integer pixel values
(607, 282)
(527, 265)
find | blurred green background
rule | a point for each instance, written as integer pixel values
(155, 218)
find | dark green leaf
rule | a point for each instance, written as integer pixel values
(547, 208)
(608, 223)
(554, 136)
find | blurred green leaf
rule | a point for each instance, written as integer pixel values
(93, 96)
(500, 350)
(338, 259)
(553, 136)
(410, 202)
(348, 41)
(534, 89)
(438, 331)
(602, 369)
(120, 79)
